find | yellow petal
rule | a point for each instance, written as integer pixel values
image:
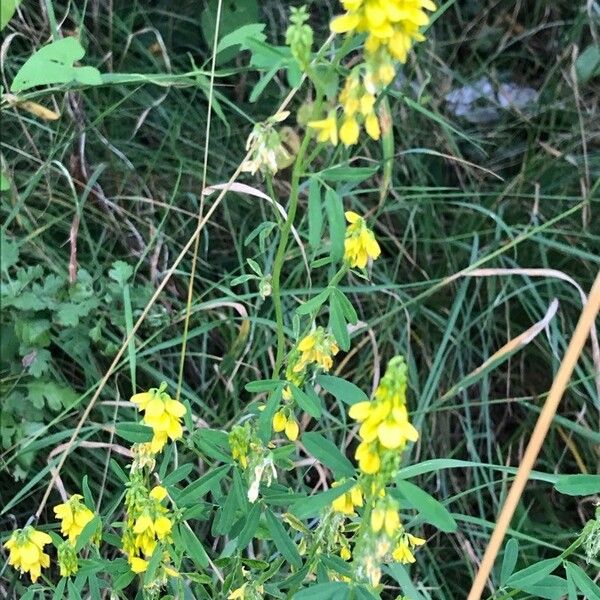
(158, 492)
(143, 523)
(360, 411)
(344, 23)
(352, 217)
(377, 519)
(390, 435)
(162, 526)
(138, 565)
(392, 521)
(292, 430)
(372, 127)
(279, 421)
(154, 408)
(349, 131)
(175, 408)
(142, 399)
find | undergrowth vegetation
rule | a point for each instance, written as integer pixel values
(283, 294)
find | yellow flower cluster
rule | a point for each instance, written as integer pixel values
(403, 551)
(346, 503)
(360, 243)
(162, 414)
(148, 522)
(317, 347)
(384, 420)
(286, 422)
(74, 515)
(26, 551)
(392, 26)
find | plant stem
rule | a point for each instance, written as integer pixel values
(281, 250)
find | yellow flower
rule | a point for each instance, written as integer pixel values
(239, 593)
(349, 131)
(158, 492)
(345, 553)
(138, 565)
(372, 126)
(368, 458)
(162, 414)
(360, 243)
(346, 502)
(327, 128)
(292, 430)
(415, 541)
(402, 553)
(74, 516)
(26, 551)
(316, 347)
(279, 421)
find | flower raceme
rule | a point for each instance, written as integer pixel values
(162, 414)
(390, 24)
(26, 551)
(360, 244)
(316, 347)
(74, 515)
(385, 425)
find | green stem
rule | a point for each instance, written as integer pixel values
(281, 250)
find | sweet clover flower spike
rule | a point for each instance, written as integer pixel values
(74, 515)
(392, 25)
(360, 244)
(26, 551)
(316, 347)
(67, 559)
(385, 426)
(162, 414)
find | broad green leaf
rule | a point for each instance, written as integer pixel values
(315, 303)
(345, 174)
(329, 454)
(7, 10)
(550, 588)
(9, 252)
(282, 540)
(136, 433)
(53, 64)
(511, 552)
(337, 224)
(250, 527)
(209, 482)
(587, 64)
(4, 183)
(429, 508)
(334, 590)
(591, 590)
(193, 547)
(532, 574)
(578, 485)
(346, 305)
(239, 36)
(308, 403)
(121, 272)
(263, 385)
(178, 475)
(400, 573)
(314, 504)
(315, 213)
(340, 388)
(88, 533)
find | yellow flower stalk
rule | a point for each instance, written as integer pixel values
(162, 414)
(74, 515)
(360, 244)
(26, 551)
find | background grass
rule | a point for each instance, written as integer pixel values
(519, 191)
